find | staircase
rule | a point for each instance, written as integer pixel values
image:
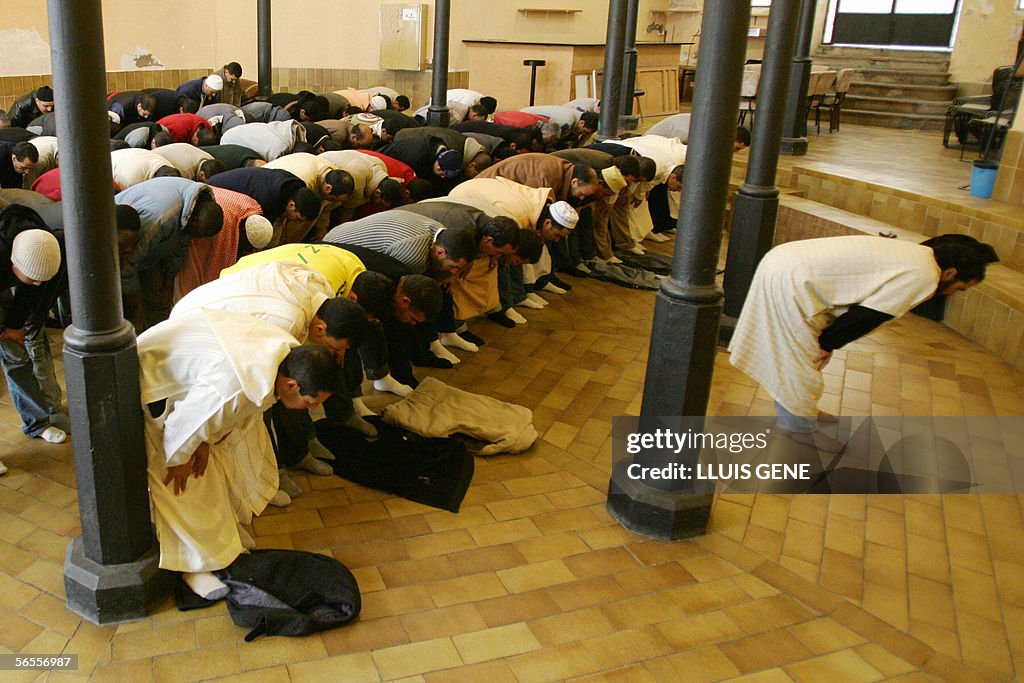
(893, 88)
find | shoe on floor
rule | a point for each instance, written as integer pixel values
(54, 435)
(471, 338)
(615, 261)
(280, 499)
(637, 249)
(501, 319)
(314, 466)
(287, 485)
(657, 237)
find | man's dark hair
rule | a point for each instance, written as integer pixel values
(207, 217)
(212, 167)
(307, 202)
(329, 145)
(523, 139)
(403, 101)
(420, 189)
(590, 119)
(167, 172)
(345, 319)
(479, 110)
(490, 104)
(391, 192)
(126, 218)
(301, 147)
(678, 172)
(352, 109)
(963, 252)
(743, 135)
(424, 294)
(44, 93)
(341, 182)
(26, 150)
(161, 138)
(373, 291)
(313, 367)
(234, 68)
(584, 173)
(188, 106)
(502, 229)
(312, 109)
(148, 102)
(205, 137)
(530, 245)
(481, 161)
(648, 168)
(628, 164)
(460, 244)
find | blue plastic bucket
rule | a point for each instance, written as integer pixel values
(983, 178)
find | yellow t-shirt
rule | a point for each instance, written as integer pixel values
(339, 266)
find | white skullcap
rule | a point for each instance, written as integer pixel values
(215, 82)
(258, 230)
(378, 102)
(114, 117)
(564, 215)
(36, 254)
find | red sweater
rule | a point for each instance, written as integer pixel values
(183, 126)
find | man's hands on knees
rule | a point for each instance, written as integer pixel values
(821, 360)
(15, 335)
(196, 466)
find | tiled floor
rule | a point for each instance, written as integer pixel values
(533, 581)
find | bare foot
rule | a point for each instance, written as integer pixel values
(818, 440)
(827, 418)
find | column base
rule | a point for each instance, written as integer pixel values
(665, 515)
(113, 594)
(440, 116)
(793, 146)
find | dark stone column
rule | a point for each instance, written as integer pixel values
(438, 113)
(266, 73)
(110, 571)
(757, 203)
(628, 121)
(688, 307)
(611, 78)
(794, 128)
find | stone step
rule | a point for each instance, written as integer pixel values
(867, 61)
(935, 93)
(904, 77)
(868, 53)
(889, 104)
(893, 120)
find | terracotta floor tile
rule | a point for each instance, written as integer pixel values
(416, 658)
(465, 589)
(700, 629)
(553, 664)
(520, 607)
(154, 642)
(197, 665)
(700, 664)
(844, 665)
(764, 651)
(504, 532)
(418, 571)
(492, 672)
(372, 634)
(825, 635)
(586, 592)
(768, 614)
(551, 547)
(536, 575)
(491, 558)
(495, 643)
(571, 627)
(703, 597)
(626, 647)
(394, 601)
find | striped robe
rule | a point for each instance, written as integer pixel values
(801, 287)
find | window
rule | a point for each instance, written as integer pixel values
(768, 3)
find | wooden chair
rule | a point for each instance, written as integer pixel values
(821, 84)
(833, 100)
(748, 93)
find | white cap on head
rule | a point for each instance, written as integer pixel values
(564, 215)
(378, 102)
(215, 82)
(258, 230)
(36, 254)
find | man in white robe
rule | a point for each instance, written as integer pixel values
(811, 297)
(206, 379)
(299, 300)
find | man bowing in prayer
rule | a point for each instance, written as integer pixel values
(206, 379)
(811, 297)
